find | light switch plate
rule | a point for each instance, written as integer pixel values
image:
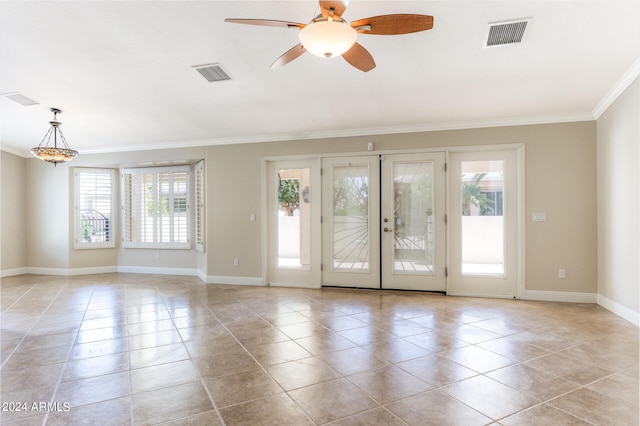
(538, 217)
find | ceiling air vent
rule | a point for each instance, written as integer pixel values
(508, 32)
(21, 99)
(212, 72)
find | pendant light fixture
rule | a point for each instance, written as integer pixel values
(54, 154)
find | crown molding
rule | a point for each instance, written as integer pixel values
(627, 78)
(14, 151)
(374, 131)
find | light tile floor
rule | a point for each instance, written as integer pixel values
(119, 349)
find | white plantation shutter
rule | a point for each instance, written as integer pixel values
(200, 206)
(155, 207)
(129, 229)
(94, 204)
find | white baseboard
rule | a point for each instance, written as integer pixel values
(97, 270)
(105, 270)
(67, 272)
(488, 296)
(13, 272)
(287, 285)
(560, 296)
(620, 310)
(251, 281)
(189, 272)
(47, 271)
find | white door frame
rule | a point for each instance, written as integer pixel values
(272, 272)
(516, 251)
(520, 154)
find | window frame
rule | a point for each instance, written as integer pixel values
(200, 202)
(127, 239)
(497, 197)
(79, 244)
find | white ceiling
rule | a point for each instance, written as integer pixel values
(122, 71)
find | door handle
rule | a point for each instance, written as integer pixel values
(387, 230)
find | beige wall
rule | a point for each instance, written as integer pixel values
(13, 252)
(618, 135)
(48, 215)
(234, 178)
(560, 180)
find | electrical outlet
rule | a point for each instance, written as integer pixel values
(236, 261)
(562, 273)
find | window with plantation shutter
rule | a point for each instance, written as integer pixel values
(94, 204)
(155, 208)
(200, 206)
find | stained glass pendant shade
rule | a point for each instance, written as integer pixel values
(53, 153)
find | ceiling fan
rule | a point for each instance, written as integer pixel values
(328, 35)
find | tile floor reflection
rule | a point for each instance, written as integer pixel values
(128, 349)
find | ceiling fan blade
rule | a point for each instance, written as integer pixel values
(266, 23)
(338, 6)
(289, 56)
(360, 58)
(393, 24)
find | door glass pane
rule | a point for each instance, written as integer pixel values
(294, 218)
(482, 217)
(413, 217)
(351, 218)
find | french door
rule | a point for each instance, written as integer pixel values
(383, 221)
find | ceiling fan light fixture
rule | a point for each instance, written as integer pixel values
(328, 38)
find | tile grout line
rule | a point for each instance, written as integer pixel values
(19, 298)
(131, 410)
(30, 328)
(70, 351)
(64, 366)
(213, 403)
(263, 369)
